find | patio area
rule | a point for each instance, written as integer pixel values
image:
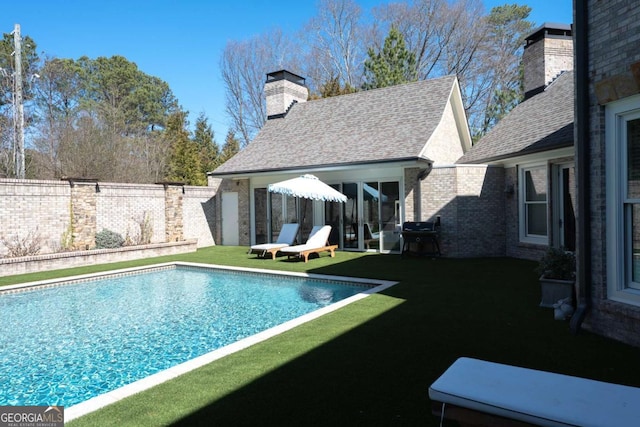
(372, 362)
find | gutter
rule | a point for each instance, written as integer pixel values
(322, 167)
(583, 155)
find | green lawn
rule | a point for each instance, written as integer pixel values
(371, 363)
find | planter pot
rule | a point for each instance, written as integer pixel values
(554, 290)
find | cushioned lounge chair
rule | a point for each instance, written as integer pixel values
(286, 238)
(316, 243)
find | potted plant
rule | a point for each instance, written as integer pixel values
(557, 270)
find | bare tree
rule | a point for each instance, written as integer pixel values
(447, 37)
(457, 37)
(56, 98)
(244, 65)
(334, 44)
(422, 25)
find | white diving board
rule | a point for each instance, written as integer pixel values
(534, 397)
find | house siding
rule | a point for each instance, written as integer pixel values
(613, 37)
(514, 247)
(470, 203)
(412, 195)
(240, 186)
(440, 147)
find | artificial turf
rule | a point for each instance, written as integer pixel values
(371, 363)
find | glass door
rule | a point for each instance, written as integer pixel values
(370, 231)
(390, 226)
(371, 216)
(350, 216)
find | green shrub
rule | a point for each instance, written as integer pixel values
(557, 263)
(107, 239)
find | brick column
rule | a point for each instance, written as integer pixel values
(83, 213)
(173, 193)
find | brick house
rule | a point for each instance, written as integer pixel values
(533, 145)
(409, 142)
(608, 167)
(374, 146)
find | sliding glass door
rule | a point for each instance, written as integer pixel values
(371, 215)
(368, 221)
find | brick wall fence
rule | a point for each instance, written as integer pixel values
(68, 214)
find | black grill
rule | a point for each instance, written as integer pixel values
(421, 238)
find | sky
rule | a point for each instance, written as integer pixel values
(181, 41)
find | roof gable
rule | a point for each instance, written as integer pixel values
(385, 124)
(542, 122)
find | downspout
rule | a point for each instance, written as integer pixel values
(582, 152)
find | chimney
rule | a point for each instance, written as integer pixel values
(282, 90)
(548, 51)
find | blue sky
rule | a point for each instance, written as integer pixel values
(180, 41)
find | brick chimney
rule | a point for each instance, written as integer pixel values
(548, 51)
(282, 90)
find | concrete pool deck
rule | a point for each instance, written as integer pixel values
(370, 286)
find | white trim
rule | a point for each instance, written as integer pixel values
(537, 157)
(616, 115)
(522, 225)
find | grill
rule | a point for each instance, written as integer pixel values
(421, 238)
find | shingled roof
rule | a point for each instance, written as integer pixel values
(541, 123)
(379, 125)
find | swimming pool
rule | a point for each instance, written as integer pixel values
(66, 342)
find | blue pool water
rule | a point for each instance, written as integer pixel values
(65, 344)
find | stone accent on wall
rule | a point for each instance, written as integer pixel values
(83, 214)
(173, 212)
(619, 86)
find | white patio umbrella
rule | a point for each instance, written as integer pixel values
(307, 187)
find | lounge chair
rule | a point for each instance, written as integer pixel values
(286, 238)
(316, 243)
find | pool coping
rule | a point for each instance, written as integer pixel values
(98, 402)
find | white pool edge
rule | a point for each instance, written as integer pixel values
(113, 396)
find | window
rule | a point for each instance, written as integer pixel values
(623, 200)
(533, 204)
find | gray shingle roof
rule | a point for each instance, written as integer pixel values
(386, 124)
(542, 122)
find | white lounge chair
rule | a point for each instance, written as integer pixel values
(316, 243)
(286, 237)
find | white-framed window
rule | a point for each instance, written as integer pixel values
(622, 132)
(533, 192)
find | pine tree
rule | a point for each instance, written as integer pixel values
(393, 65)
(184, 161)
(208, 149)
(230, 148)
(332, 87)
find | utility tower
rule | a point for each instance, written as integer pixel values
(18, 105)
